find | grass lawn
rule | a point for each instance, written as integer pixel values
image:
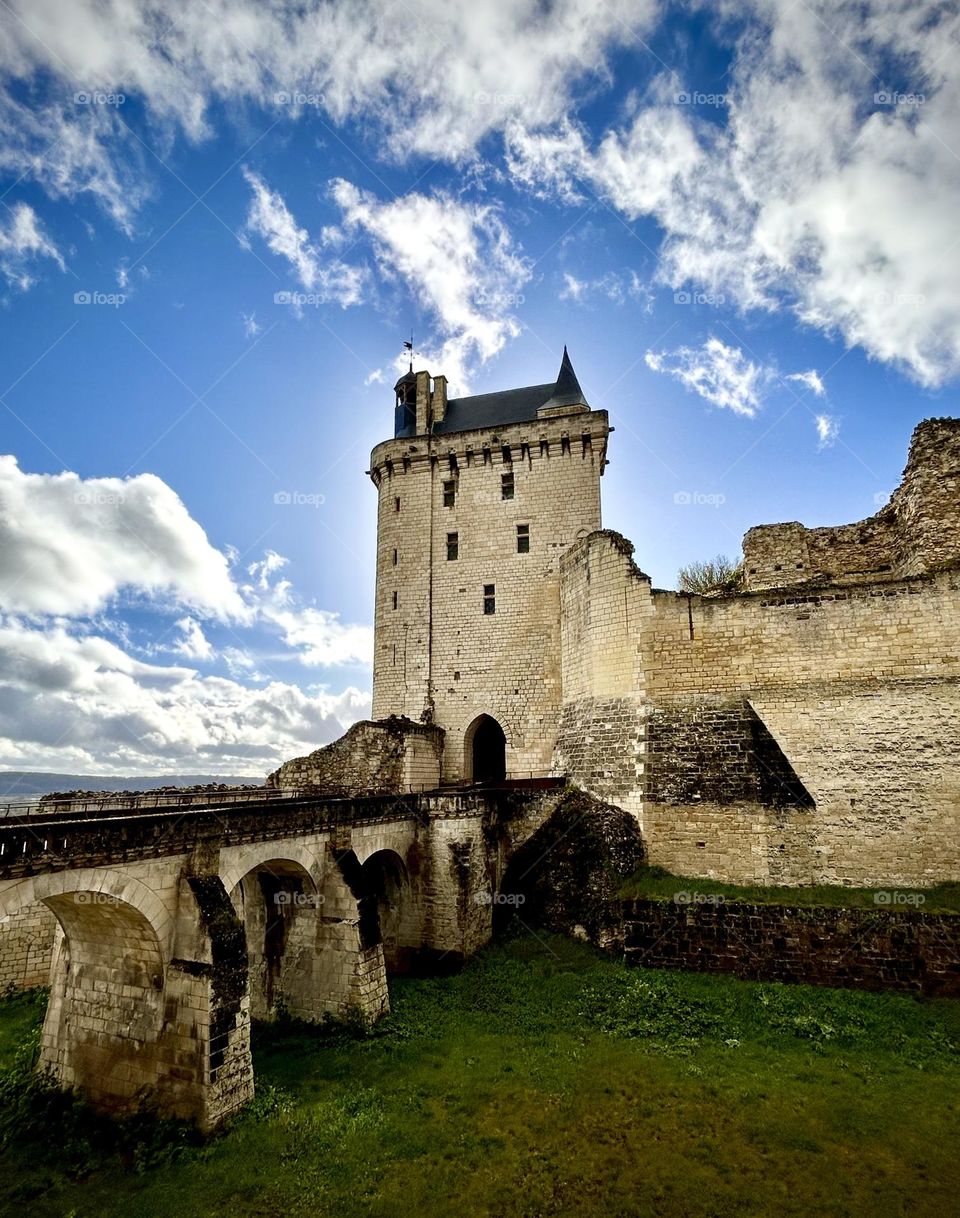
(657, 884)
(543, 1080)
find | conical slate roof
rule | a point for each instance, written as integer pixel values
(567, 391)
(512, 405)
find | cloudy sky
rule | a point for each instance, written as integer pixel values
(220, 220)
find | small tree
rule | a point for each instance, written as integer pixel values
(711, 576)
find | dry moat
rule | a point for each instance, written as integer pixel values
(542, 1079)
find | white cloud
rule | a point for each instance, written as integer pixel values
(459, 259)
(573, 288)
(83, 704)
(192, 643)
(270, 218)
(69, 545)
(811, 379)
(828, 428)
(318, 636)
(615, 287)
(814, 195)
(22, 240)
(70, 149)
(434, 79)
(721, 375)
(72, 699)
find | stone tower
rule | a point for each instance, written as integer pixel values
(478, 499)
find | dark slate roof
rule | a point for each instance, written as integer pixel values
(494, 409)
(512, 405)
(567, 391)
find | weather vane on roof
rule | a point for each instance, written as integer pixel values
(409, 347)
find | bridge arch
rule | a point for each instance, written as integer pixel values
(280, 905)
(485, 750)
(126, 1020)
(387, 886)
(105, 1018)
(241, 860)
(101, 885)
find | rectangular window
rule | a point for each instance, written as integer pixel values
(396, 504)
(506, 485)
(449, 493)
(523, 539)
(489, 598)
(394, 600)
(394, 558)
(453, 547)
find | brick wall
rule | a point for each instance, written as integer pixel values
(838, 947)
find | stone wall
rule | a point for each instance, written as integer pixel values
(566, 876)
(603, 598)
(918, 531)
(890, 631)
(387, 756)
(770, 737)
(437, 653)
(26, 944)
(838, 947)
(740, 842)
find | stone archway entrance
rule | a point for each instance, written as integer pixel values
(486, 750)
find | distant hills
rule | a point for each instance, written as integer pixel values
(26, 784)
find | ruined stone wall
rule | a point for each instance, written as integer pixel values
(384, 757)
(856, 687)
(778, 555)
(917, 532)
(437, 652)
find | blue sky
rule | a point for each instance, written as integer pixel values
(739, 218)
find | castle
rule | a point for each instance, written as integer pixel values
(803, 729)
(800, 730)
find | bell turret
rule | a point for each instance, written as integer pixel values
(405, 416)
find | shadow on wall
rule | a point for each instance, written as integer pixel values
(567, 876)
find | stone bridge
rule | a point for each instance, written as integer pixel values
(169, 928)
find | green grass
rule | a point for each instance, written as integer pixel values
(658, 884)
(543, 1080)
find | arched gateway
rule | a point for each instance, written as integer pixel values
(485, 758)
